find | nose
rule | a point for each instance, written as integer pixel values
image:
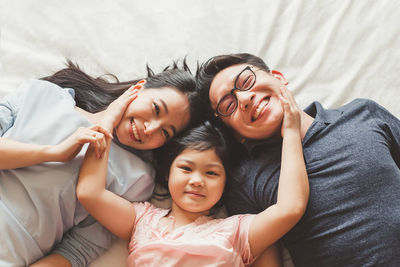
(245, 99)
(151, 127)
(196, 180)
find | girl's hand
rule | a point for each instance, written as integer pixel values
(291, 119)
(70, 147)
(114, 112)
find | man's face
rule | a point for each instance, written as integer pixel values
(259, 113)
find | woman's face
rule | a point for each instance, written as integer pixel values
(155, 116)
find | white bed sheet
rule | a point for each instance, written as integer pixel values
(330, 51)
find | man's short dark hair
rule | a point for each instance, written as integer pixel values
(208, 70)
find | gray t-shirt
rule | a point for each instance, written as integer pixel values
(39, 212)
(352, 156)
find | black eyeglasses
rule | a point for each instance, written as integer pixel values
(229, 102)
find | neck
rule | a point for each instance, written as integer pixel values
(183, 217)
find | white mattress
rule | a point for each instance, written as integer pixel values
(330, 51)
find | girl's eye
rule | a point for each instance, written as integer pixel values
(156, 108)
(185, 168)
(212, 173)
(166, 134)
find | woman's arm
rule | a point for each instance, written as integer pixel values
(51, 261)
(112, 211)
(293, 189)
(15, 154)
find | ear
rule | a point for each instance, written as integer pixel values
(279, 76)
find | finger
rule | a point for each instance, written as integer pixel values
(285, 104)
(98, 148)
(103, 148)
(128, 99)
(134, 88)
(97, 137)
(291, 98)
(100, 129)
(283, 96)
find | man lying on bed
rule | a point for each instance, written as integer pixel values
(352, 156)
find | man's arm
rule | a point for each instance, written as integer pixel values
(390, 125)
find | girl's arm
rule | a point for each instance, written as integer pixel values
(293, 189)
(270, 257)
(112, 211)
(15, 154)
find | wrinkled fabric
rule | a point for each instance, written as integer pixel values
(39, 211)
(352, 156)
(205, 242)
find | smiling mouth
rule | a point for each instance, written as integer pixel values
(261, 106)
(195, 194)
(133, 132)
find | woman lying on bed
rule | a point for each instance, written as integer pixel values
(44, 126)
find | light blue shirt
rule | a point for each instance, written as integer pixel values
(39, 211)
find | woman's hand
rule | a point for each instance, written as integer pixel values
(291, 117)
(114, 112)
(70, 147)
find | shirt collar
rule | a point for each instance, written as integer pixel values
(322, 118)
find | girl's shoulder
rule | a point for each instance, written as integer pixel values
(147, 209)
(229, 224)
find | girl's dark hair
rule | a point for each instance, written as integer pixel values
(201, 138)
(95, 94)
(207, 71)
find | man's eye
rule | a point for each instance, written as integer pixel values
(166, 134)
(247, 82)
(156, 108)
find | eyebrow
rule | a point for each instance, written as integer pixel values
(208, 165)
(164, 105)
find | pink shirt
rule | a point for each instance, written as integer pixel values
(205, 242)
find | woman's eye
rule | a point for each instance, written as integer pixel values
(156, 108)
(166, 134)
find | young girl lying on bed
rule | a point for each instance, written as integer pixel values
(186, 234)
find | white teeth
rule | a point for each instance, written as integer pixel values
(135, 133)
(260, 108)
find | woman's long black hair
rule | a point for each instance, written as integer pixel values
(95, 94)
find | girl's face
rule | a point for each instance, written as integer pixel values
(196, 181)
(155, 116)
